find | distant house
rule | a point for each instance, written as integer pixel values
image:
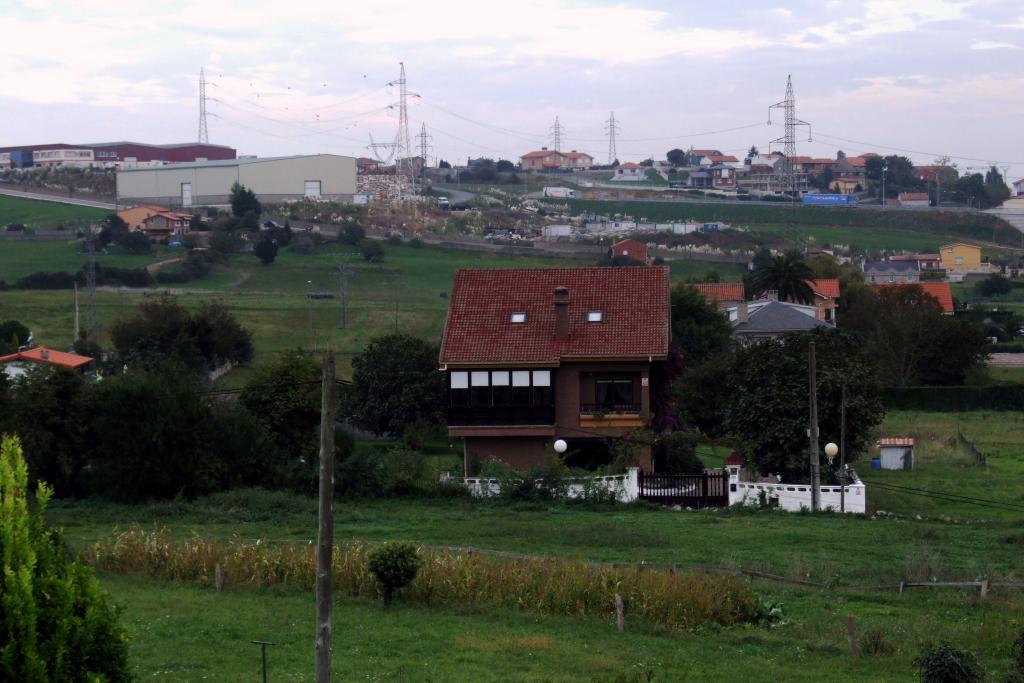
(721, 293)
(631, 249)
(1018, 188)
(550, 160)
(531, 356)
(769, 319)
(156, 221)
(960, 257)
(718, 160)
(629, 171)
(913, 199)
(940, 290)
(924, 261)
(17, 364)
(891, 271)
(847, 185)
(818, 251)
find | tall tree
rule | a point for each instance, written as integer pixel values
(395, 382)
(676, 157)
(698, 327)
(266, 250)
(244, 201)
(788, 275)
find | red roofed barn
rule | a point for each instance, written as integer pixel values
(535, 355)
(18, 363)
(631, 249)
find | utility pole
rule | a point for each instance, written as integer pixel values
(425, 145)
(612, 127)
(90, 282)
(343, 273)
(885, 167)
(325, 534)
(813, 433)
(842, 449)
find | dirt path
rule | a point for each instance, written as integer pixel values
(153, 267)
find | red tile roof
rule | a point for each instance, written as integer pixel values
(49, 357)
(734, 459)
(828, 287)
(896, 441)
(634, 302)
(631, 248)
(705, 152)
(576, 155)
(939, 290)
(629, 164)
(721, 292)
(538, 155)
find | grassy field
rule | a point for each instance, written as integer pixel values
(20, 258)
(407, 292)
(974, 226)
(188, 633)
(43, 215)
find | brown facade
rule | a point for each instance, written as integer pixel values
(586, 410)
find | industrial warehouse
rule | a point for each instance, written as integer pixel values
(273, 179)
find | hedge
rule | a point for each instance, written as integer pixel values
(953, 399)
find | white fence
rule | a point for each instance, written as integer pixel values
(796, 497)
(625, 487)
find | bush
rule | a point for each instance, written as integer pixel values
(873, 642)
(394, 565)
(57, 623)
(135, 243)
(371, 251)
(420, 432)
(351, 233)
(42, 280)
(947, 664)
(372, 474)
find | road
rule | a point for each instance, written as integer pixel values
(57, 199)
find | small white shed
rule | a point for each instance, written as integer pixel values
(897, 453)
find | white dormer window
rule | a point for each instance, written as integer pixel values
(518, 318)
(595, 316)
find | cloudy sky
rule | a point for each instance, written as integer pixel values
(922, 77)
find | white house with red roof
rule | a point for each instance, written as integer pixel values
(532, 356)
(546, 159)
(629, 171)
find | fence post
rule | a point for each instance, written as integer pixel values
(851, 636)
(620, 613)
(984, 589)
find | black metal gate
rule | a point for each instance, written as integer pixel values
(710, 489)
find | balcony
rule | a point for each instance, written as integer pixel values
(500, 416)
(624, 415)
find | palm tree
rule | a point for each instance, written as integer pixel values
(788, 275)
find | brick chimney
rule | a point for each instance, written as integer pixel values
(561, 312)
(742, 313)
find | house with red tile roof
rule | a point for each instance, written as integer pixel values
(631, 249)
(826, 295)
(721, 293)
(19, 363)
(546, 159)
(941, 291)
(629, 171)
(532, 356)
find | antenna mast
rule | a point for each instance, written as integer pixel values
(557, 132)
(204, 135)
(788, 139)
(612, 127)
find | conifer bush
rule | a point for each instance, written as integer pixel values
(55, 622)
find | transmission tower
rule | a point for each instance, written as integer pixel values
(788, 139)
(612, 127)
(425, 146)
(557, 133)
(204, 135)
(343, 274)
(404, 170)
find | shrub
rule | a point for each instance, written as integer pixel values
(946, 664)
(420, 432)
(351, 233)
(394, 565)
(56, 622)
(873, 642)
(46, 281)
(371, 250)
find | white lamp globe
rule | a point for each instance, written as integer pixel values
(561, 446)
(831, 450)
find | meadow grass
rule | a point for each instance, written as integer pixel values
(190, 632)
(43, 215)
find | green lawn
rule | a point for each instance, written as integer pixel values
(186, 633)
(19, 258)
(43, 215)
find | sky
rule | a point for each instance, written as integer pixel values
(923, 78)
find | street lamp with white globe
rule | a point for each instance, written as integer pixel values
(560, 446)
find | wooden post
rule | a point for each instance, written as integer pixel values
(620, 613)
(842, 450)
(984, 589)
(218, 577)
(325, 535)
(851, 636)
(813, 432)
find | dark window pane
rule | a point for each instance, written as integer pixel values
(542, 396)
(459, 397)
(501, 395)
(481, 396)
(521, 396)
(623, 391)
